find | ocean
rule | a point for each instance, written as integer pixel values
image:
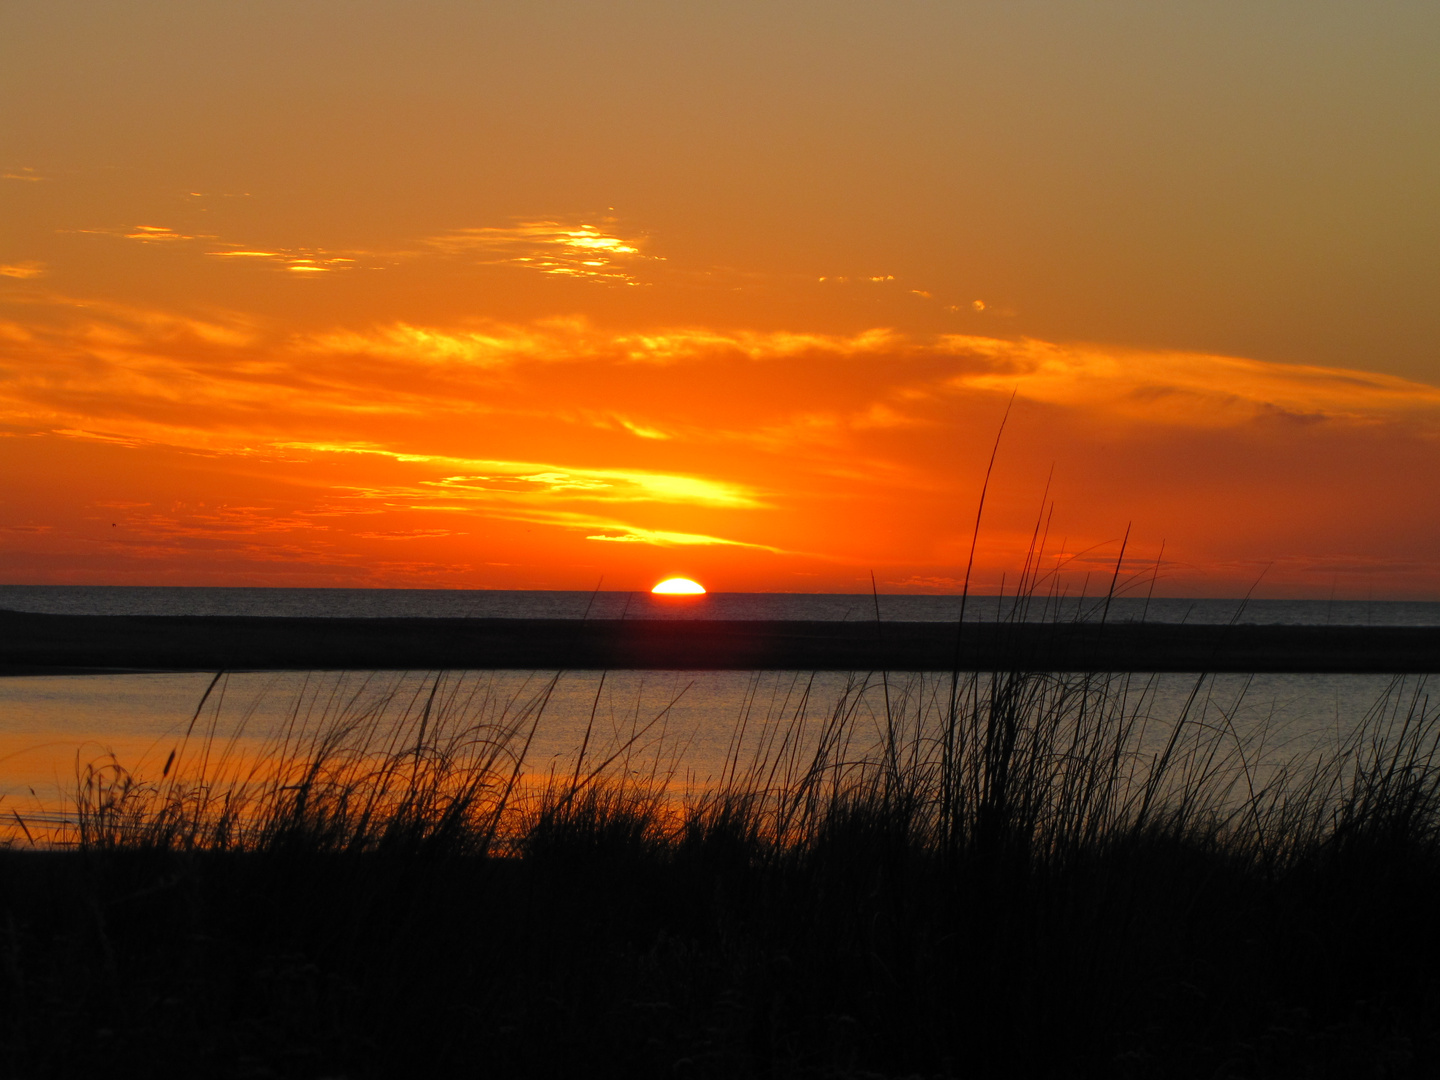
(518, 604)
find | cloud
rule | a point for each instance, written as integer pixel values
(541, 493)
(562, 249)
(24, 172)
(408, 534)
(404, 343)
(301, 260)
(624, 485)
(99, 436)
(641, 430)
(606, 529)
(629, 534)
(293, 260)
(149, 234)
(487, 480)
(609, 530)
(567, 340)
(1186, 389)
(552, 495)
(22, 270)
(220, 382)
(572, 249)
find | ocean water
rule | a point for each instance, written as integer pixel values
(508, 604)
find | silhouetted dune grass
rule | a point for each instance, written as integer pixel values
(1019, 874)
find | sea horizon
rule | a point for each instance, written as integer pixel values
(390, 602)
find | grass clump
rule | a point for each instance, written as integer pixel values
(936, 876)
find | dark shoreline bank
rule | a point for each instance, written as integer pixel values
(38, 644)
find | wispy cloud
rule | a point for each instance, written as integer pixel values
(408, 534)
(22, 270)
(642, 430)
(23, 173)
(548, 494)
(610, 530)
(293, 260)
(558, 248)
(562, 249)
(605, 485)
(486, 480)
(148, 234)
(629, 534)
(221, 380)
(1186, 389)
(300, 260)
(569, 340)
(899, 288)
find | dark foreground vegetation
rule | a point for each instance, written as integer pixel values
(1016, 875)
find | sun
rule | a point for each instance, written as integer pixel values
(679, 586)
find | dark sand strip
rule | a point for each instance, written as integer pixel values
(31, 643)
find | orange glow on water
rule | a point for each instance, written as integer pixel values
(679, 586)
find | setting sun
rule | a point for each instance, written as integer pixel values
(679, 586)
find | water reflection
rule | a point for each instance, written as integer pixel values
(684, 730)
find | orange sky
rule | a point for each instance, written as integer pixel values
(445, 294)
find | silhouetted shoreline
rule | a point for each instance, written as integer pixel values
(34, 643)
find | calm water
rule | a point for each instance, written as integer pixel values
(478, 603)
(684, 724)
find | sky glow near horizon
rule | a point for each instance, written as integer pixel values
(524, 296)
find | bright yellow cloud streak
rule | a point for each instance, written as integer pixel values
(607, 485)
(487, 479)
(550, 247)
(610, 530)
(629, 534)
(568, 340)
